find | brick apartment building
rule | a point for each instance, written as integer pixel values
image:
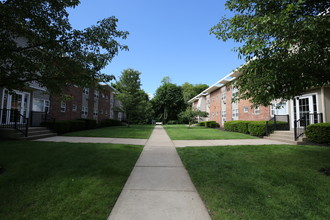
(217, 101)
(87, 103)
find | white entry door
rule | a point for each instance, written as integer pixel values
(19, 101)
(305, 105)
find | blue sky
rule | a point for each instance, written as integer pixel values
(167, 38)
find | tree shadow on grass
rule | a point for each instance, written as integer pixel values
(62, 180)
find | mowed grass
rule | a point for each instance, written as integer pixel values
(134, 131)
(183, 132)
(60, 181)
(261, 182)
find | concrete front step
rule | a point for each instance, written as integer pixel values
(39, 136)
(286, 140)
(284, 136)
(33, 133)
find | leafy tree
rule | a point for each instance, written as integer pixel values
(130, 95)
(189, 90)
(190, 115)
(168, 101)
(39, 45)
(285, 43)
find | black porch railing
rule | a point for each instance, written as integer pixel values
(38, 118)
(278, 122)
(305, 120)
(11, 118)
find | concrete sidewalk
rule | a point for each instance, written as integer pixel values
(95, 140)
(159, 187)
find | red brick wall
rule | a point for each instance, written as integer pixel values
(215, 106)
(250, 116)
(55, 105)
(104, 104)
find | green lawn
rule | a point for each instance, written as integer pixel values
(134, 131)
(62, 180)
(261, 182)
(182, 132)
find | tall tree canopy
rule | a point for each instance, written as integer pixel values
(285, 43)
(39, 45)
(189, 90)
(134, 101)
(168, 101)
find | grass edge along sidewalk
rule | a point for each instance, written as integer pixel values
(134, 131)
(182, 132)
(62, 180)
(261, 182)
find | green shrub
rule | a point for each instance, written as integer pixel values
(243, 127)
(173, 122)
(257, 128)
(65, 126)
(319, 133)
(232, 125)
(89, 123)
(110, 122)
(201, 123)
(215, 125)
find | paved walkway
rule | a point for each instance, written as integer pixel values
(159, 187)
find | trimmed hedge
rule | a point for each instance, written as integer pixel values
(232, 125)
(110, 122)
(65, 126)
(201, 123)
(89, 123)
(255, 128)
(243, 127)
(209, 124)
(319, 133)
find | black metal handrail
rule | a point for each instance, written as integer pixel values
(270, 125)
(301, 124)
(11, 118)
(38, 118)
(278, 122)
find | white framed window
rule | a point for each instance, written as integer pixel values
(223, 96)
(86, 91)
(46, 106)
(235, 113)
(40, 105)
(223, 115)
(235, 91)
(63, 107)
(256, 110)
(95, 112)
(278, 109)
(96, 94)
(103, 96)
(246, 109)
(216, 113)
(84, 111)
(74, 107)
